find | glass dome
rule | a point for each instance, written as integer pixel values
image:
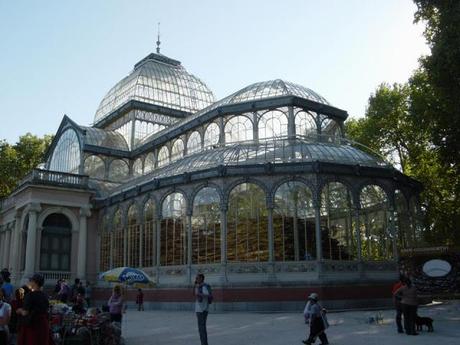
(158, 80)
(272, 88)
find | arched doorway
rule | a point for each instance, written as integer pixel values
(55, 249)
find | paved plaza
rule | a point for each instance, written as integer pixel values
(231, 328)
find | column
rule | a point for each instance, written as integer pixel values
(271, 255)
(223, 243)
(189, 247)
(319, 247)
(82, 242)
(394, 235)
(15, 248)
(158, 247)
(31, 240)
(291, 123)
(7, 237)
(358, 234)
(141, 244)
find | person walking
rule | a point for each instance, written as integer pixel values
(116, 304)
(140, 300)
(35, 327)
(408, 295)
(5, 315)
(397, 303)
(318, 324)
(202, 294)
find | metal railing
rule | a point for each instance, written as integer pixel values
(52, 276)
(55, 177)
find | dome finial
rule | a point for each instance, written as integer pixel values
(158, 39)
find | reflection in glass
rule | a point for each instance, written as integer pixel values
(206, 227)
(95, 167)
(294, 223)
(247, 234)
(173, 234)
(273, 124)
(238, 128)
(118, 170)
(376, 238)
(66, 154)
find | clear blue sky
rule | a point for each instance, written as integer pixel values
(61, 57)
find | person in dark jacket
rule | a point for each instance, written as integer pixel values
(35, 328)
(317, 321)
(409, 303)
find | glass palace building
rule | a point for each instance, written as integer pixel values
(261, 191)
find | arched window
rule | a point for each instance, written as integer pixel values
(149, 234)
(338, 240)
(104, 253)
(305, 124)
(238, 128)
(149, 163)
(247, 234)
(211, 135)
(133, 237)
(331, 130)
(177, 151)
(194, 143)
(117, 240)
(173, 234)
(163, 156)
(206, 227)
(294, 223)
(273, 124)
(55, 250)
(66, 154)
(137, 167)
(402, 221)
(118, 170)
(376, 238)
(95, 167)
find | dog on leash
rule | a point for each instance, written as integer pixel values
(424, 321)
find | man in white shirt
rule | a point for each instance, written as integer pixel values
(201, 306)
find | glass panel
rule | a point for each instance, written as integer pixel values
(118, 241)
(247, 234)
(273, 124)
(305, 124)
(238, 128)
(194, 143)
(66, 154)
(206, 227)
(294, 223)
(173, 234)
(376, 237)
(163, 156)
(211, 135)
(137, 167)
(149, 163)
(149, 239)
(95, 167)
(133, 237)
(118, 170)
(177, 151)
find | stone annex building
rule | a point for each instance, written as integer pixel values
(261, 191)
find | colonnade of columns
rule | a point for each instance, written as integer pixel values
(21, 258)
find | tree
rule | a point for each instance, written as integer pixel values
(17, 160)
(442, 67)
(396, 126)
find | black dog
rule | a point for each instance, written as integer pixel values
(424, 321)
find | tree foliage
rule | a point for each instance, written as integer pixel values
(416, 125)
(18, 159)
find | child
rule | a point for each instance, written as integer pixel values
(140, 300)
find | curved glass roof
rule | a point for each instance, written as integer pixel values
(272, 88)
(272, 151)
(104, 138)
(253, 92)
(158, 80)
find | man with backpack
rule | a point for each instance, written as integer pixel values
(203, 297)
